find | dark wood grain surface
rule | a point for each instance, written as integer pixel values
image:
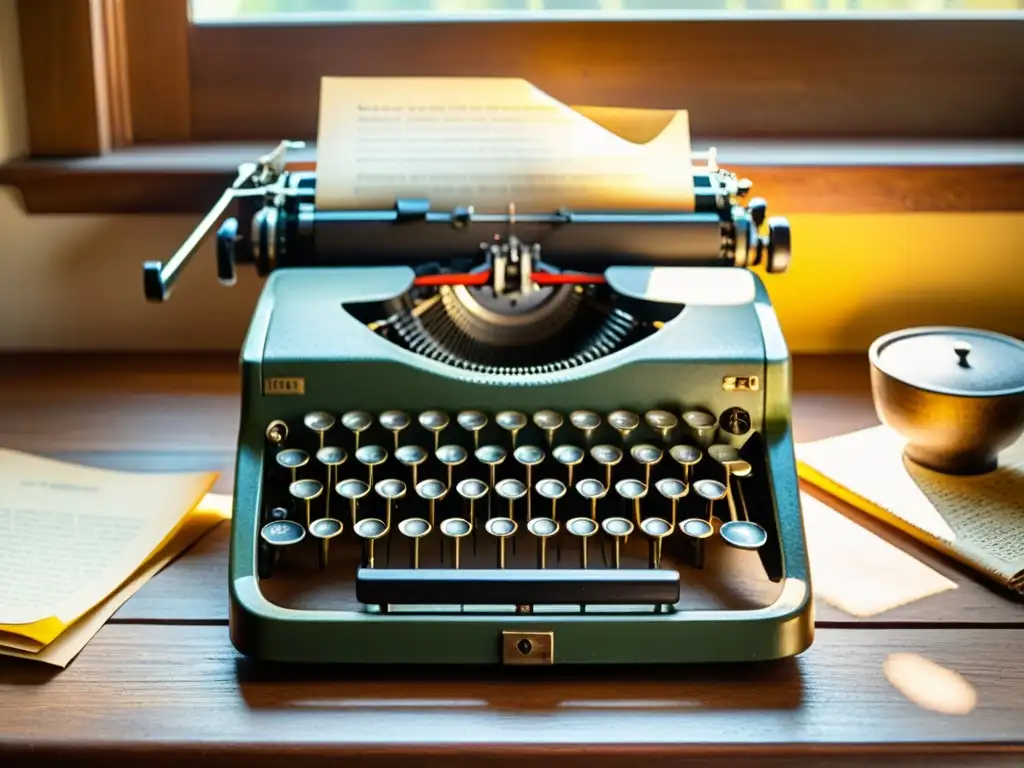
(161, 682)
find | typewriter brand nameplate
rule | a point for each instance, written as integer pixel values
(282, 385)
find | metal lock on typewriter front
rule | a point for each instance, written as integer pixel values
(515, 437)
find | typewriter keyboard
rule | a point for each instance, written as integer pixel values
(508, 510)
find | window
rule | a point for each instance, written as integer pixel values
(854, 85)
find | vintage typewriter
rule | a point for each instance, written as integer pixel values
(510, 438)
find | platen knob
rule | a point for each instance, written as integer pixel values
(227, 236)
(779, 245)
(758, 210)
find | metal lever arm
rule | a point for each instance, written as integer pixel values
(159, 277)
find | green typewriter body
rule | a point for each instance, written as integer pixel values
(550, 451)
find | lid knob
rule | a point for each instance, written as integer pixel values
(962, 349)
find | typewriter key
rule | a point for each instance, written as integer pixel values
(549, 421)
(543, 528)
(647, 456)
(353, 490)
(607, 456)
(656, 529)
(529, 456)
(432, 491)
(415, 528)
(325, 529)
(456, 529)
(673, 490)
(435, 422)
(282, 533)
(513, 421)
(731, 465)
(618, 528)
(712, 490)
(371, 456)
(743, 534)
(277, 432)
(501, 528)
(632, 490)
(319, 422)
(585, 421)
(696, 528)
(293, 458)
(391, 490)
(687, 456)
(356, 422)
(370, 530)
(570, 456)
(492, 456)
(703, 426)
(552, 489)
(331, 457)
(661, 421)
(722, 453)
(412, 456)
(471, 489)
(623, 422)
(394, 422)
(306, 490)
(472, 421)
(451, 456)
(584, 528)
(593, 491)
(512, 490)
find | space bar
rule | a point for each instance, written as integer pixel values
(472, 586)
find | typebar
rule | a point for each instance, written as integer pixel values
(484, 586)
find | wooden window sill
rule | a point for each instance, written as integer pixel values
(794, 176)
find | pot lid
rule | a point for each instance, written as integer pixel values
(956, 361)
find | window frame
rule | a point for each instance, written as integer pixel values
(128, 93)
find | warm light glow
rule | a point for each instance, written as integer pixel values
(930, 685)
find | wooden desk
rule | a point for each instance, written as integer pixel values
(161, 682)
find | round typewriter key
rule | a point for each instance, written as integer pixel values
(415, 528)
(513, 490)
(451, 456)
(412, 456)
(529, 456)
(353, 490)
(492, 456)
(331, 457)
(570, 456)
(712, 490)
(743, 534)
(277, 432)
(647, 456)
(552, 489)
(282, 533)
(471, 489)
(371, 456)
(501, 528)
(549, 421)
(722, 453)
(325, 529)
(584, 528)
(656, 529)
(696, 528)
(319, 422)
(370, 529)
(607, 456)
(435, 422)
(293, 458)
(686, 456)
(623, 422)
(390, 490)
(661, 421)
(732, 466)
(543, 528)
(472, 421)
(673, 490)
(513, 421)
(585, 421)
(432, 491)
(306, 490)
(703, 426)
(356, 422)
(632, 490)
(394, 422)
(593, 491)
(456, 528)
(618, 528)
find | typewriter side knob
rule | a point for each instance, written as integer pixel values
(779, 245)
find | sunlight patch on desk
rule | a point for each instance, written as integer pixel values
(930, 685)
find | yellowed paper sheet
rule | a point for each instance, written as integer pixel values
(70, 535)
(489, 142)
(859, 572)
(70, 643)
(978, 519)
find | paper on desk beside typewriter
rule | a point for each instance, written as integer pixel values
(74, 540)
(489, 142)
(979, 519)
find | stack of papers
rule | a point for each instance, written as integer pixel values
(76, 542)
